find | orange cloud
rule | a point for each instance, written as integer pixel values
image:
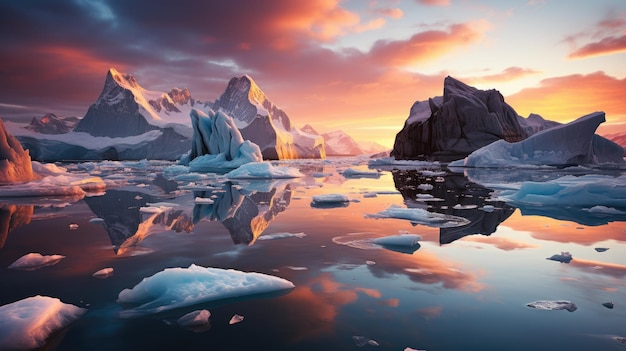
(434, 2)
(566, 98)
(606, 46)
(508, 74)
(611, 269)
(390, 12)
(427, 45)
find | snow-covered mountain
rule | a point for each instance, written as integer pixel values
(339, 143)
(265, 124)
(51, 124)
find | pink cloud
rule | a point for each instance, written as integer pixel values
(606, 46)
(434, 2)
(506, 75)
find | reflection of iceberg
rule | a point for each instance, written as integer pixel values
(455, 196)
(11, 217)
(245, 216)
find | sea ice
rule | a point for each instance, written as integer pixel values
(330, 200)
(421, 216)
(194, 319)
(355, 173)
(263, 170)
(553, 305)
(281, 236)
(27, 324)
(236, 319)
(34, 260)
(399, 240)
(181, 287)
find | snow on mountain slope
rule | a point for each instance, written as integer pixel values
(265, 124)
(51, 124)
(338, 143)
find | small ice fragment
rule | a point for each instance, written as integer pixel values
(399, 240)
(601, 249)
(553, 305)
(362, 341)
(608, 305)
(281, 236)
(193, 319)
(138, 197)
(487, 208)
(370, 263)
(464, 207)
(330, 200)
(34, 260)
(369, 195)
(104, 273)
(564, 257)
(73, 226)
(203, 200)
(295, 268)
(236, 319)
(410, 349)
(620, 340)
(425, 187)
(96, 220)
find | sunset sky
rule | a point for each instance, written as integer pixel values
(354, 65)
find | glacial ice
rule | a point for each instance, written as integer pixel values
(553, 305)
(329, 201)
(15, 162)
(421, 216)
(569, 144)
(28, 323)
(263, 170)
(35, 260)
(217, 144)
(180, 287)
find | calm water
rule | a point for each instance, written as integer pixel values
(465, 288)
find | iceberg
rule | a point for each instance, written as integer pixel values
(553, 305)
(217, 144)
(451, 127)
(35, 260)
(181, 287)
(15, 162)
(569, 144)
(263, 170)
(421, 216)
(27, 324)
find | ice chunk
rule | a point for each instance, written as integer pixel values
(601, 249)
(263, 170)
(362, 341)
(73, 226)
(96, 220)
(26, 324)
(487, 208)
(180, 287)
(564, 257)
(330, 200)
(608, 305)
(281, 236)
(104, 273)
(553, 305)
(203, 200)
(355, 173)
(399, 240)
(421, 216)
(194, 319)
(34, 260)
(236, 319)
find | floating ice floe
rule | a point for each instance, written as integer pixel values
(104, 273)
(487, 208)
(194, 319)
(362, 341)
(355, 173)
(27, 324)
(601, 249)
(330, 200)
(236, 319)
(553, 305)
(157, 207)
(263, 170)
(421, 216)
(399, 240)
(281, 236)
(609, 305)
(96, 220)
(563, 257)
(204, 200)
(35, 260)
(181, 287)
(55, 185)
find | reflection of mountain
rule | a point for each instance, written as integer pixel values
(460, 198)
(245, 217)
(11, 217)
(127, 225)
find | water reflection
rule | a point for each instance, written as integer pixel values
(12, 217)
(454, 195)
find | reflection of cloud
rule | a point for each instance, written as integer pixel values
(505, 244)
(11, 217)
(430, 312)
(427, 268)
(597, 267)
